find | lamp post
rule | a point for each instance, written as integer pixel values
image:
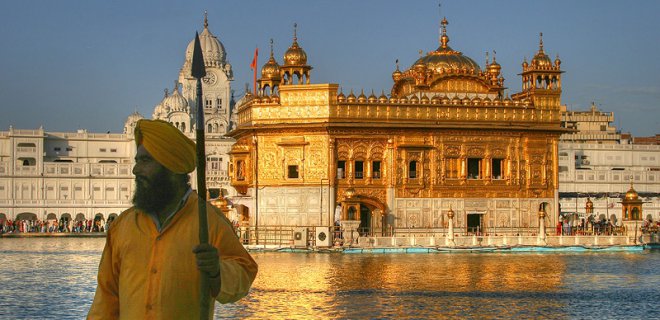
(541, 238)
(450, 228)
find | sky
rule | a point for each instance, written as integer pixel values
(80, 64)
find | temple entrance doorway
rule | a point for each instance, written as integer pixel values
(475, 222)
(365, 221)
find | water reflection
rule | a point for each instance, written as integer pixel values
(56, 279)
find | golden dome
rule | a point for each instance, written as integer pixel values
(540, 58)
(382, 98)
(396, 75)
(494, 68)
(341, 97)
(445, 59)
(295, 55)
(362, 98)
(372, 97)
(271, 70)
(557, 61)
(351, 97)
(632, 194)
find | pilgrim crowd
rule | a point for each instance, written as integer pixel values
(54, 226)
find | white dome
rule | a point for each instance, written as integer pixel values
(212, 49)
(131, 121)
(134, 117)
(175, 102)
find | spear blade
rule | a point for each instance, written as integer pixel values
(198, 71)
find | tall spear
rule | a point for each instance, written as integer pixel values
(198, 71)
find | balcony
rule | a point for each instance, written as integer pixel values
(25, 170)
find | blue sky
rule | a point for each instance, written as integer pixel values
(71, 65)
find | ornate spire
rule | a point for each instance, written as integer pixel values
(494, 56)
(444, 39)
(206, 19)
(487, 62)
(167, 93)
(271, 48)
(295, 32)
(176, 87)
(541, 42)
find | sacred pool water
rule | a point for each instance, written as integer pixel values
(55, 278)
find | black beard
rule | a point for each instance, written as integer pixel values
(152, 196)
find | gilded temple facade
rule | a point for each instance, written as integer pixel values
(445, 139)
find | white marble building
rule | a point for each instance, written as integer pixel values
(596, 162)
(80, 175)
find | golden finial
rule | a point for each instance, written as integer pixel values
(206, 19)
(397, 64)
(166, 92)
(540, 41)
(494, 55)
(444, 39)
(271, 47)
(176, 86)
(487, 62)
(421, 53)
(295, 33)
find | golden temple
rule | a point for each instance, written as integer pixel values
(445, 138)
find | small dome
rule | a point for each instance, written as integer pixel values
(382, 98)
(541, 60)
(494, 68)
(295, 55)
(271, 70)
(175, 102)
(372, 97)
(632, 194)
(135, 116)
(341, 97)
(396, 75)
(351, 97)
(557, 61)
(362, 97)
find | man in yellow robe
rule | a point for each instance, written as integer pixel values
(151, 263)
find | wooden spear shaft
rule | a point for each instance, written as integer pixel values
(199, 72)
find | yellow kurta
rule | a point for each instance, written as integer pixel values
(145, 274)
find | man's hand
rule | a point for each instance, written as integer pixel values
(208, 260)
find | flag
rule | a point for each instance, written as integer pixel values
(253, 66)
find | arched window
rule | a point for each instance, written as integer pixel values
(240, 170)
(351, 213)
(209, 128)
(635, 214)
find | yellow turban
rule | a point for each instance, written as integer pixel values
(167, 145)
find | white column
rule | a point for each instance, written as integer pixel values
(541, 238)
(450, 229)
